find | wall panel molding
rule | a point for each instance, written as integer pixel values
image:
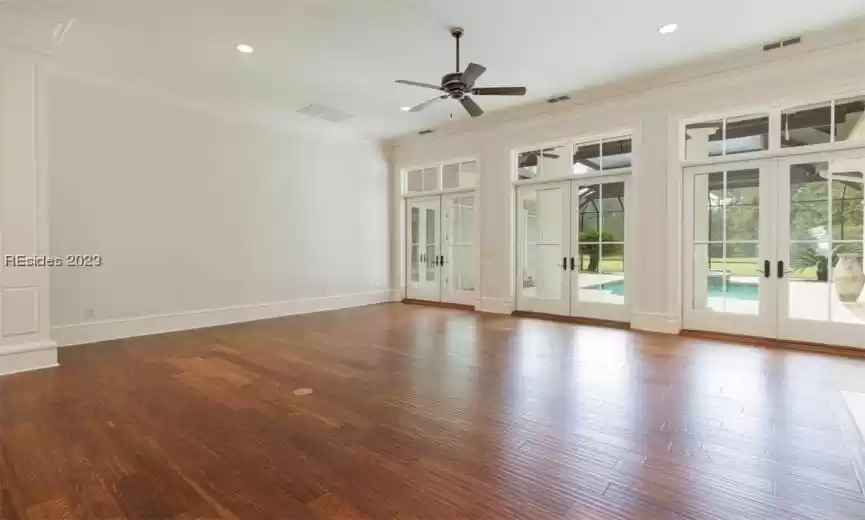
(20, 311)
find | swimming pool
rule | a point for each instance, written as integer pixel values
(735, 290)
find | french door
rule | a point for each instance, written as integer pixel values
(571, 238)
(773, 248)
(729, 253)
(441, 252)
(821, 231)
(424, 232)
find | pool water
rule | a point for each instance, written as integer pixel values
(736, 291)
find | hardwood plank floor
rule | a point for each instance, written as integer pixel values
(426, 413)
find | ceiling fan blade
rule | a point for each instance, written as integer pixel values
(499, 91)
(471, 107)
(418, 108)
(418, 84)
(472, 73)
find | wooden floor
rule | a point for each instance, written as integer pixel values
(425, 413)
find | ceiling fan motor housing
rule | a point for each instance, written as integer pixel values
(453, 85)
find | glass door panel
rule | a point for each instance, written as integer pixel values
(727, 212)
(543, 248)
(599, 228)
(423, 249)
(822, 230)
(458, 254)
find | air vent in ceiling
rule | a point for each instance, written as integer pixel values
(558, 99)
(426, 131)
(771, 46)
(326, 113)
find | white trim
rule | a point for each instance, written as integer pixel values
(431, 194)
(555, 143)
(618, 172)
(778, 153)
(495, 305)
(27, 357)
(655, 322)
(91, 332)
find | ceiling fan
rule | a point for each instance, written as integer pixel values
(458, 85)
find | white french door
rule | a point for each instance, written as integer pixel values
(598, 238)
(729, 251)
(424, 218)
(440, 256)
(821, 230)
(571, 239)
(457, 257)
(773, 248)
(543, 249)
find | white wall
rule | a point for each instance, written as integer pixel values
(25, 342)
(203, 218)
(824, 66)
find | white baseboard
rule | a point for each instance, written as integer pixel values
(27, 357)
(495, 305)
(655, 322)
(91, 332)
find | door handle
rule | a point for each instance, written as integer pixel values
(442, 260)
(572, 263)
(564, 263)
(781, 271)
(767, 268)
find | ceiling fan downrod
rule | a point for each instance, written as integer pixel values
(457, 33)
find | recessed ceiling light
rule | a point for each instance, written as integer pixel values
(244, 48)
(405, 109)
(667, 29)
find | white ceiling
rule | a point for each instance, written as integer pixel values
(345, 54)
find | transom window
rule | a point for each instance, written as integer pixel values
(727, 136)
(580, 158)
(447, 176)
(831, 121)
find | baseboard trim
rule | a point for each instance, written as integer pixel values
(495, 306)
(91, 332)
(27, 357)
(445, 305)
(573, 319)
(655, 322)
(777, 343)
